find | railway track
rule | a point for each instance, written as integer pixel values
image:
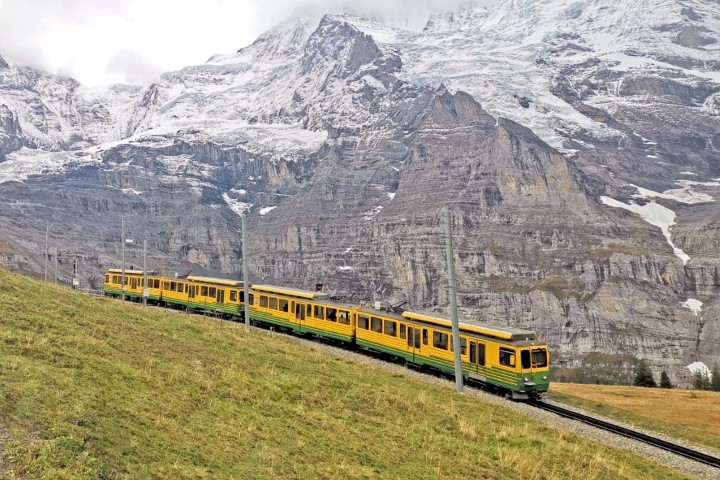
(626, 432)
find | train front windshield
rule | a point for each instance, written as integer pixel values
(539, 358)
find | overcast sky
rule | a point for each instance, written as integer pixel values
(105, 41)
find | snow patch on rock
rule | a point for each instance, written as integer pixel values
(693, 304)
(655, 214)
(266, 210)
(700, 367)
(236, 205)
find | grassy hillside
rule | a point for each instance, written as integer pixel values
(688, 414)
(92, 388)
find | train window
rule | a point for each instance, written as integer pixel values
(463, 346)
(173, 286)
(539, 358)
(283, 305)
(331, 314)
(309, 310)
(242, 296)
(376, 324)
(107, 278)
(363, 322)
(473, 352)
(203, 291)
(233, 296)
(391, 328)
(507, 357)
(212, 291)
(263, 301)
(115, 279)
(402, 331)
(481, 354)
(273, 303)
(319, 312)
(440, 340)
(180, 287)
(525, 358)
(252, 299)
(425, 336)
(344, 317)
(166, 286)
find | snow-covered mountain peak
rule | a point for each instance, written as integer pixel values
(3, 63)
(284, 41)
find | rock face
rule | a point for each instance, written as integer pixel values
(575, 143)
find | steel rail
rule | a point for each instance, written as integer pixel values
(629, 433)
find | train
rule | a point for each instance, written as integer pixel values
(507, 360)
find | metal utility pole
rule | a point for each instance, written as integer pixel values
(57, 253)
(47, 236)
(145, 285)
(122, 239)
(245, 273)
(453, 302)
(75, 280)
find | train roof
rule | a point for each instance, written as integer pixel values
(486, 330)
(291, 292)
(215, 281)
(127, 272)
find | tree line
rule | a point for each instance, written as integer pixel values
(700, 380)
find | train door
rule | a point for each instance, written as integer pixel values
(133, 283)
(300, 314)
(191, 292)
(220, 297)
(413, 341)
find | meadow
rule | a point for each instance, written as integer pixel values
(94, 388)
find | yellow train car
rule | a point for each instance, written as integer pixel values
(505, 358)
(225, 297)
(112, 284)
(302, 311)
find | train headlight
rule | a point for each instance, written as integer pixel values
(526, 379)
(544, 377)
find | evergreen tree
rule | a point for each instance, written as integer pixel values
(665, 380)
(700, 381)
(643, 375)
(715, 382)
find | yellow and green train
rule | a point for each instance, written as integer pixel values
(508, 360)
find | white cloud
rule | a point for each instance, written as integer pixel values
(133, 66)
(113, 41)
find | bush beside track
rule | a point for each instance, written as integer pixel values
(93, 388)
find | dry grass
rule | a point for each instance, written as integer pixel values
(689, 414)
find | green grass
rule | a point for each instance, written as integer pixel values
(92, 388)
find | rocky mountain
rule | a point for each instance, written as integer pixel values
(576, 142)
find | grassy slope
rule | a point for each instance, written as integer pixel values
(92, 388)
(687, 414)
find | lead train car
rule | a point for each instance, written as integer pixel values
(506, 359)
(222, 297)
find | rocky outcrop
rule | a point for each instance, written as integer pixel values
(10, 132)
